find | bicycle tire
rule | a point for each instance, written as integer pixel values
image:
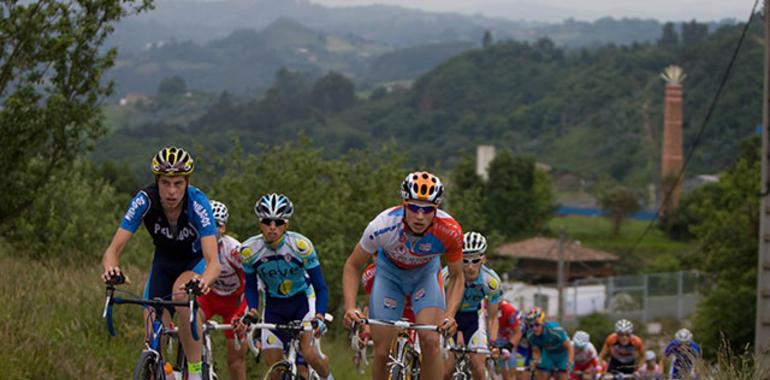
(396, 372)
(280, 371)
(147, 367)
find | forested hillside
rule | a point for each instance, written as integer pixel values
(593, 112)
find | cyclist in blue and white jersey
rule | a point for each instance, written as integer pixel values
(406, 242)
(684, 353)
(285, 263)
(179, 219)
(481, 283)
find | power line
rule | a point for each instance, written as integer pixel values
(702, 129)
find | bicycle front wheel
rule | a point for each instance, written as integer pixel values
(280, 371)
(148, 367)
(396, 372)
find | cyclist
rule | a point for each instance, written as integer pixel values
(683, 352)
(586, 356)
(408, 240)
(179, 219)
(481, 283)
(624, 349)
(508, 336)
(286, 264)
(552, 351)
(651, 369)
(226, 298)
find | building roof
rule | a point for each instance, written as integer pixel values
(546, 249)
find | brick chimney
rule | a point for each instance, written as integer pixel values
(672, 159)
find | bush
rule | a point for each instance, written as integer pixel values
(598, 326)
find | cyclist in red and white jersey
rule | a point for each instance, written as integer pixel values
(586, 357)
(226, 296)
(409, 240)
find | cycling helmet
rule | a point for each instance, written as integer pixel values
(220, 212)
(536, 315)
(683, 336)
(650, 356)
(473, 243)
(172, 161)
(274, 206)
(624, 326)
(422, 186)
(581, 339)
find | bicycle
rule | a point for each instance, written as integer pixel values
(404, 359)
(151, 364)
(360, 348)
(462, 369)
(286, 369)
(207, 351)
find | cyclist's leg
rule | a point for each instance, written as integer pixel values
(386, 302)
(451, 360)
(319, 363)
(276, 311)
(478, 340)
(428, 305)
(236, 359)
(192, 347)
(546, 365)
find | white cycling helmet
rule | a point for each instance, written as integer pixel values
(220, 212)
(683, 336)
(474, 243)
(649, 356)
(581, 339)
(624, 326)
(274, 206)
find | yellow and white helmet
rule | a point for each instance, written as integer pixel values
(172, 161)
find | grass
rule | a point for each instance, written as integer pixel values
(654, 251)
(51, 326)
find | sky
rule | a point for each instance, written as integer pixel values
(587, 10)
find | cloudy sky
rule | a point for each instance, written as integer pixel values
(557, 10)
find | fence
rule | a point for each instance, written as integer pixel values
(643, 298)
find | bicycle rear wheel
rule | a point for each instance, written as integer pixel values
(148, 367)
(280, 371)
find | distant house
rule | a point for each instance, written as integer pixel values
(538, 260)
(132, 98)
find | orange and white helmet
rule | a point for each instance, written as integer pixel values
(422, 186)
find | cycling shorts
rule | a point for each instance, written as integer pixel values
(393, 284)
(284, 310)
(164, 272)
(474, 328)
(616, 366)
(553, 361)
(227, 307)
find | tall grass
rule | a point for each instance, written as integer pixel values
(51, 326)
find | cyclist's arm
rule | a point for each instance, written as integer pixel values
(516, 338)
(211, 255)
(321, 290)
(252, 290)
(605, 351)
(492, 324)
(455, 287)
(351, 275)
(111, 257)
(570, 352)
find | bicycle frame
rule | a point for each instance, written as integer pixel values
(293, 346)
(402, 343)
(462, 360)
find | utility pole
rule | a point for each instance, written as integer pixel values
(762, 335)
(560, 273)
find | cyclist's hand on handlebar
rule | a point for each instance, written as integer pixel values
(448, 326)
(196, 285)
(113, 275)
(321, 327)
(352, 315)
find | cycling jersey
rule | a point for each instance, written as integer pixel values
(684, 356)
(286, 268)
(508, 321)
(367, 279)
(623, 357)
(551, 340)
(409, 264)
(553, 355)
(177, 246)
(226, 295)
(485, 286)
(230, 280)
(586, 359)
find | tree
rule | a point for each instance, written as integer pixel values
(170, 87)
(693, 32)
(465, 196)
(618, 203)
(51, 67)
(669, 37)
(333, 93)
(487, 40)
(727, 229)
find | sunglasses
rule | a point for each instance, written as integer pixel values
(472, 261)
(278, 222)
(423, 209)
